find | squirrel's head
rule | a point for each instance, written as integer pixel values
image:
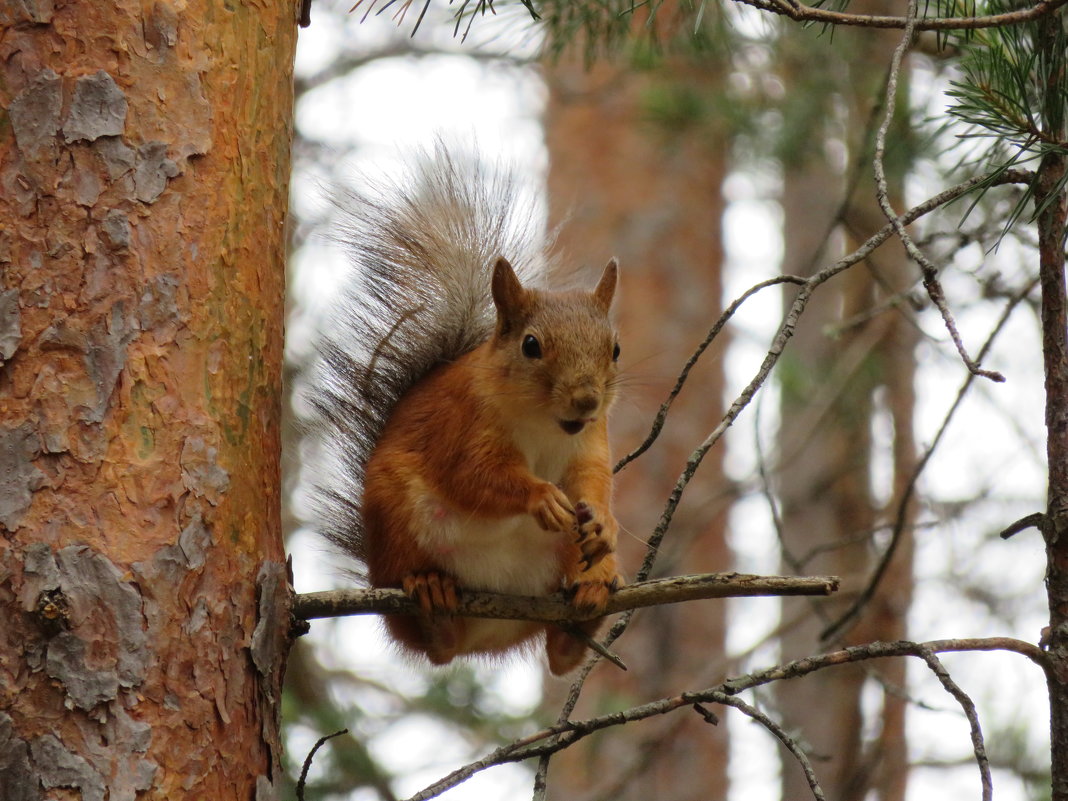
(560, 348)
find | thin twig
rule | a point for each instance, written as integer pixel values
(978, 746)
(880, 650)
(930, 272)
(1036, 520)
(786, 331)
(350, 61)
(308, 761)
(594, 645)
(724, 318)
(782, 736)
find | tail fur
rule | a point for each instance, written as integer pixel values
(423, 250)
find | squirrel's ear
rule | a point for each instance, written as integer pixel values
(508, 296)
(606, 287)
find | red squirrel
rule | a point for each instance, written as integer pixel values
(467, 411)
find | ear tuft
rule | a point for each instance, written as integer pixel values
(606, 287)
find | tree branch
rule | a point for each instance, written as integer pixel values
(566, 733)
(308, 761)
(786, 330)
(780, 734)
(713, 332)
(350, 61)
(978, 746)
(802, 13)
(881, 650)
(1037, 520)
(930, 272)
(556, 608)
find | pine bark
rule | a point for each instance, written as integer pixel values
(1052, 223)
(144, 167)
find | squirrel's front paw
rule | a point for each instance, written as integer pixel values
(435, 593)
(591, 596)
(551, 508)
(590, 536)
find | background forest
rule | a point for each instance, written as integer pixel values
(845, 347)
(715, 147)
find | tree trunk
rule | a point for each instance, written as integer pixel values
(823, 470)
(144, 167)
(1051, 197)
(1055, 349)
(829, 387)
(650, 194)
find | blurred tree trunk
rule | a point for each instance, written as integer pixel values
(636, 168)
(144, 165)
(834, 388)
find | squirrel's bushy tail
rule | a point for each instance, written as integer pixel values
(423, 249)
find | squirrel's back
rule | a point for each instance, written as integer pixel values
(423, 249)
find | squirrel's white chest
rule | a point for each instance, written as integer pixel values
(509, 555)
(547, 449)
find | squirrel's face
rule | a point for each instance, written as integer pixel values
(559, 350)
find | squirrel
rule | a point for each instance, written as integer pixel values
(464, 410)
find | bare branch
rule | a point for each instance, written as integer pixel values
(350, 61)
(973, 719)
(724, 318)
(594, 645)
(308, 761)
(802, 13)
(786, 331)
(1038, 519)
(881, 650)
(564, 734)
(781, 735)
(556, 608)
(930, 272)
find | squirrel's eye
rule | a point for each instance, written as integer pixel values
(531, 347)
(615, 352)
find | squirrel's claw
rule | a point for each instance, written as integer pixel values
(593, 546)
(436, 593)
(584, 519)
(593, 551)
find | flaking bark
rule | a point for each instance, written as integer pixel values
(143, 182)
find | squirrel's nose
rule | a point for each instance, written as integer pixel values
(585, 399)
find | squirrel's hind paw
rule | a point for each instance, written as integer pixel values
(435, 593)
(592, 596)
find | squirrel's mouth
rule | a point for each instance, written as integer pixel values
(574, 426)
